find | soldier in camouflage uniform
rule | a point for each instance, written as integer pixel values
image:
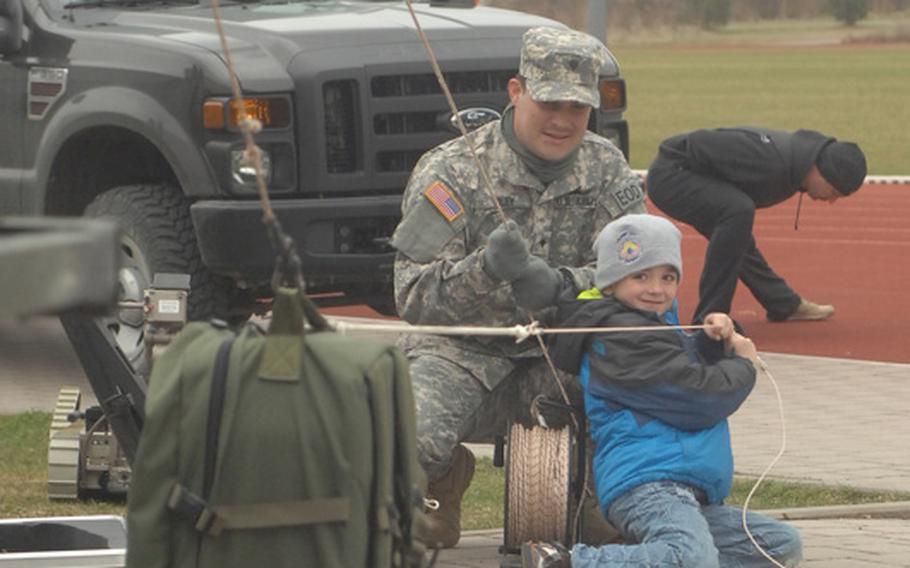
(558, 184)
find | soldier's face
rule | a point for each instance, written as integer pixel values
(550, 130)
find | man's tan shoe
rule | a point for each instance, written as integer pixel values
(443, 526)
(809, 311)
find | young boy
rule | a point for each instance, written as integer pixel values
(657, 402)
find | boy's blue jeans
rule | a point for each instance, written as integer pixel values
(674, 529)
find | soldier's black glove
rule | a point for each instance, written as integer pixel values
(506, 255)
(538, 286)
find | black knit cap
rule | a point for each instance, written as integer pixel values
(843, 165)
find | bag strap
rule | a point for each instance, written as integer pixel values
(281, 514)
(216, 407)
(281, 359)
(211, 520)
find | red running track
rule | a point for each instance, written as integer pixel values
(854, 254)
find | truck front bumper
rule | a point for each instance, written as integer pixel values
(342, 242)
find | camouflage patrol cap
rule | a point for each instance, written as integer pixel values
(561, 65)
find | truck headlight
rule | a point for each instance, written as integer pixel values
(243, 170)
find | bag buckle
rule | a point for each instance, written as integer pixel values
(187, 505)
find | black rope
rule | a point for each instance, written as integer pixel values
(289, 273)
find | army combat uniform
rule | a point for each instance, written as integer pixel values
(447, 216)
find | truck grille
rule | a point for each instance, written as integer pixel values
(404, 122)
(426, 83)
(340, 125)
(404, 126)
(397, 160)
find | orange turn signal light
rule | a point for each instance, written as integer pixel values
(213, 114)
(271, 112)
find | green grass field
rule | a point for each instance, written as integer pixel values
(892, 26)
(852, 93)
(23, 472)
(785, 75)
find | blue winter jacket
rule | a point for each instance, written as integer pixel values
(657, 402)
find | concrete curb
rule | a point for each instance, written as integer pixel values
(892, 510)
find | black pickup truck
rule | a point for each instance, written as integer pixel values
(123, 108)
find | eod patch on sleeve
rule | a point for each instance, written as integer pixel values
(628, 195)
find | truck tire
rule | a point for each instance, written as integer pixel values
(157, 236)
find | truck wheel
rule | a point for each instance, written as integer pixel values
(157, 236)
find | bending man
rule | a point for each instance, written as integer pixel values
(714, 180)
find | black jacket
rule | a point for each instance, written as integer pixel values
(767, 165)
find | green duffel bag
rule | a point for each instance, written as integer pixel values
(304, 456)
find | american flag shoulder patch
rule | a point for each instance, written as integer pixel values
(444, 200)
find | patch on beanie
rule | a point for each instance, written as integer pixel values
(629, 248)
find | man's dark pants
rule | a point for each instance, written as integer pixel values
(724, 215)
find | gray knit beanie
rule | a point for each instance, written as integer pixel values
(633, 243)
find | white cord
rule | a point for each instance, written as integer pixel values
(783, 447)
(519, 332)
